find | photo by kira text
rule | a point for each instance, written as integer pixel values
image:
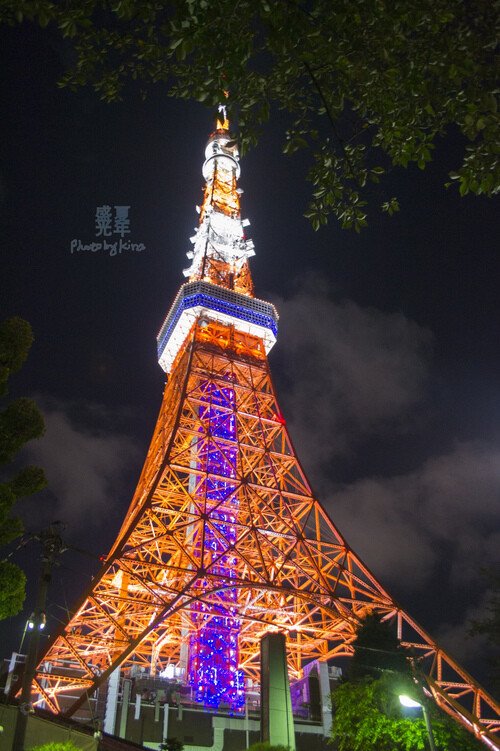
(113, 249)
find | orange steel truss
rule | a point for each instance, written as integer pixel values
(292, 569)
(221, 195)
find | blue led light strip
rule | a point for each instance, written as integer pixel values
(213, 649)
(202, 299)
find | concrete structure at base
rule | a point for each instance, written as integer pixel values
(146, 710)
(41, 730)
(276, 704)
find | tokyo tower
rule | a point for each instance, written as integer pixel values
(225, 541)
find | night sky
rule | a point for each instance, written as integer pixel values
(387, 360)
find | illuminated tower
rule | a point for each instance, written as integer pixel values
(224, 540)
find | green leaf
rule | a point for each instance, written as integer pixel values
(370, 82)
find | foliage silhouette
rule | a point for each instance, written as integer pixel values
(367, 85)
(20, 421)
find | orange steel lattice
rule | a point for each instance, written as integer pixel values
(222, 198)
(287, 566)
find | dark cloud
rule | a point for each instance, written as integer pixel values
(351, 371)
(454, 637)
(87, 462)
(448, 507)
(353, 375)
(381, 521)
(426, 536)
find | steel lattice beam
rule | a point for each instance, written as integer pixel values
(293, 571)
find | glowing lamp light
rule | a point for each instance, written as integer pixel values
(31, 622)
(407, 701)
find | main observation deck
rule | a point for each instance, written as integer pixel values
(195, 299)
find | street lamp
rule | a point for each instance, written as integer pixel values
(52, 547)
(42, 620)
(407, 701)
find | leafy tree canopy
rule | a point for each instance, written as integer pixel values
(367, 713)
(377, 650)
(16, 339)
(20, 422)
(171, 744)
(368, 84)
(54, 746)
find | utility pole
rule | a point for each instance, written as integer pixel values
(421, 701)
(52, 547)
(428, 725)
